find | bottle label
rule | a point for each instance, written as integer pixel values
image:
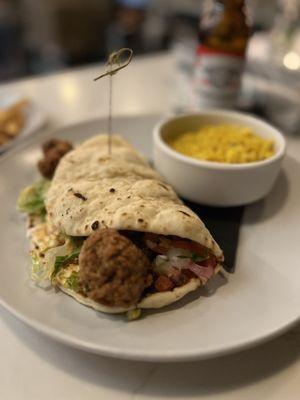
(218, 76)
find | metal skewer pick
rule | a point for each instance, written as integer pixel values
(114, 64)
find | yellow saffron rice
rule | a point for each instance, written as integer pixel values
(223, 143)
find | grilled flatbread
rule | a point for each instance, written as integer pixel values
(92, 190)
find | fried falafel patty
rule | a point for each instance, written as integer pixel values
(112, 270)
(54, 150)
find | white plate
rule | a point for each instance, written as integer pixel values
(35, 119)
(261, 300)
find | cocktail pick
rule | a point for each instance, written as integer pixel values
(115, 63)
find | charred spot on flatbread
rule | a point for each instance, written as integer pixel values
(95, 225)
(80, 196)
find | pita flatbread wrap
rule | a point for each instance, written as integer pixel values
(92, 190)
(120, 192)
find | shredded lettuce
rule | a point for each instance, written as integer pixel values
(61, 261)
(72, 281)
(31, 199)
(36, 269)
(42, 267)
(134, 314)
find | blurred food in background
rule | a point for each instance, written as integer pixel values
(12, 121)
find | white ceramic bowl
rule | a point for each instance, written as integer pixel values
(213, 183)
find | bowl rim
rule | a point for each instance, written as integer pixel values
(278, 137)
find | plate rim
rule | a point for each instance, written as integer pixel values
(154, 356)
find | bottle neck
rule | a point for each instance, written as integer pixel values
(225, 27)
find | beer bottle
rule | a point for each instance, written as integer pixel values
(223, 35)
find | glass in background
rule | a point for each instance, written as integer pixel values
(284, 48)
(281, 67)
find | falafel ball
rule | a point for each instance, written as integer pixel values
(48, 164)
(54, 150)
(112, 270)
(62, 146)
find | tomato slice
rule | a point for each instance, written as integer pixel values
(192, 246)
(162, 245)
(199, 249)
(163, 284)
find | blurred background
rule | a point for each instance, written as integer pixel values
(38, 37)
